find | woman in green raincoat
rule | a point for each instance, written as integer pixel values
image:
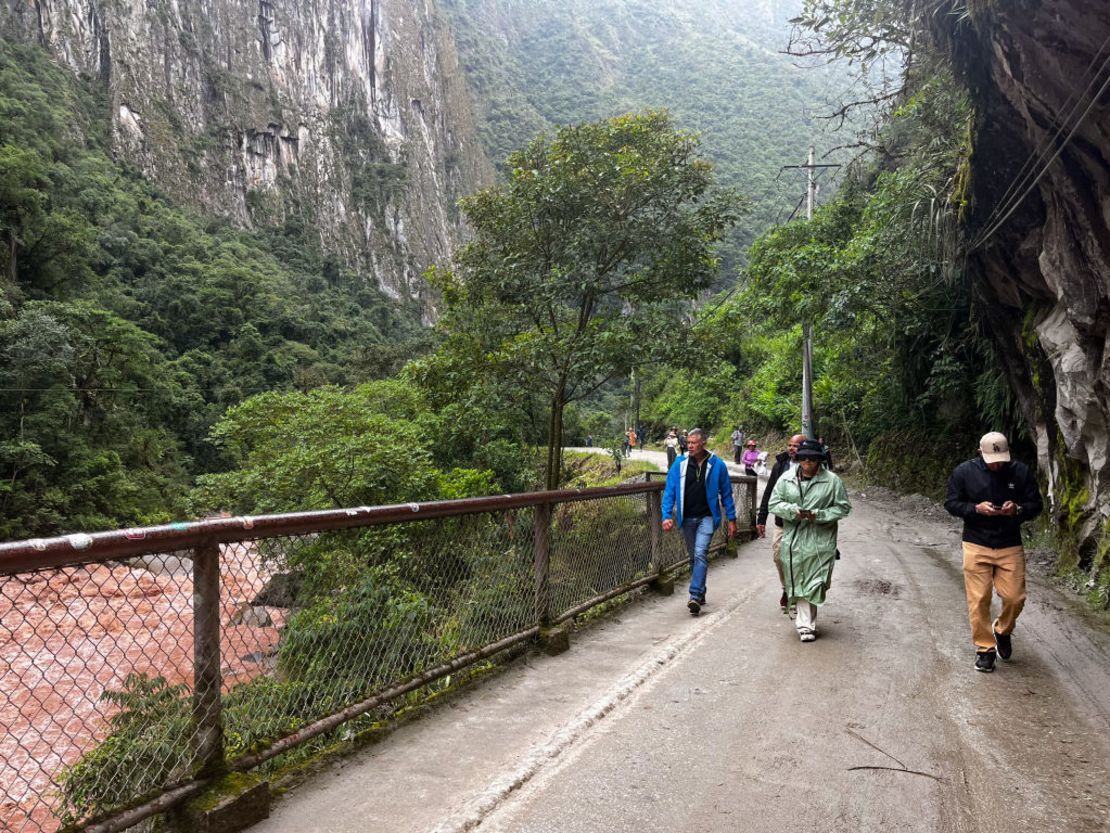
(810, 500)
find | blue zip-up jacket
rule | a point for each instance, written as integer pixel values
(718, 489)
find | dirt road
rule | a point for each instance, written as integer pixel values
(659, 721)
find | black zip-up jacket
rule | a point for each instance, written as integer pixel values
(972, 483)
(782, 463)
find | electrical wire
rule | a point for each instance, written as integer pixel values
(983, 238)
(1038, 153)
(78, 390)
(795, 211)
(1008, 204)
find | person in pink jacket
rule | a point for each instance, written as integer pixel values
(751, 458)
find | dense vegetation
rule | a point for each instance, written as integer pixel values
(580, 263)
(905, 379)
(128, 325)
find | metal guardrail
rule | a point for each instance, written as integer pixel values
(138, 664)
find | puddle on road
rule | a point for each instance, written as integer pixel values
(878, 587)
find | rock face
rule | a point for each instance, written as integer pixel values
(1039, 72)
(344, 116)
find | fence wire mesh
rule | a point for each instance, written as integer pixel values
(743, 497)
(597, 545)
(99, 705)
(330, 619)
(79, 647)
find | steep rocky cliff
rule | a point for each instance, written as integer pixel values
(347, 116)
(1039, 72)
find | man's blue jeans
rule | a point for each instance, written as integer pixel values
(697, 533)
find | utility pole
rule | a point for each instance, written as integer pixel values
(809, 419)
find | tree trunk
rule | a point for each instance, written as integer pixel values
(555, 438)
(12, 256)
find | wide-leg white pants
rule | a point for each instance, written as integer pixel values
(806, 620)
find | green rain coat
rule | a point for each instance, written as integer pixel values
(809, 547)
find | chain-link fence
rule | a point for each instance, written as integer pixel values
(744, 495)
(137, 663)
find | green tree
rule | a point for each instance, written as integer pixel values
(579, 263)
(330, 449)
(22, 183)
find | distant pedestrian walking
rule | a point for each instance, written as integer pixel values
(698, 485)
(737, 443)
(751, 458)
(811, 500)
(784, 463)
(671, 444)
(828, 454)
(994, 495)
(631, 435)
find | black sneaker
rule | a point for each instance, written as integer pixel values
(694, 606)
(1005, 647)
(984, 661)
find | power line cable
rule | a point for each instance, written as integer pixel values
(79, 390)
(1073, 102)
(1008, 203)
(983, 238)
(798, 206)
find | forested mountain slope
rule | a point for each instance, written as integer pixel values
(128, 325)
(716, 64)
(201, 201)
(206, 200)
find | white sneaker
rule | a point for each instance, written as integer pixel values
(807, 636)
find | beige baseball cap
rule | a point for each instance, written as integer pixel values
(994, 448)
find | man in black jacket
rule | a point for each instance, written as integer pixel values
(994, 495)
(783, 463)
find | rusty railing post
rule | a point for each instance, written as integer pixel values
(655, 522)
(662, 583)
(207, 708)
(752, 489)
(542, 551)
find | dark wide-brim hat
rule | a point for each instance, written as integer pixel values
(810, 450)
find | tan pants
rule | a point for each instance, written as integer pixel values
(1002, 569)
(776, 554)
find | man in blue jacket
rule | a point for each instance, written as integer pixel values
(697, 485)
